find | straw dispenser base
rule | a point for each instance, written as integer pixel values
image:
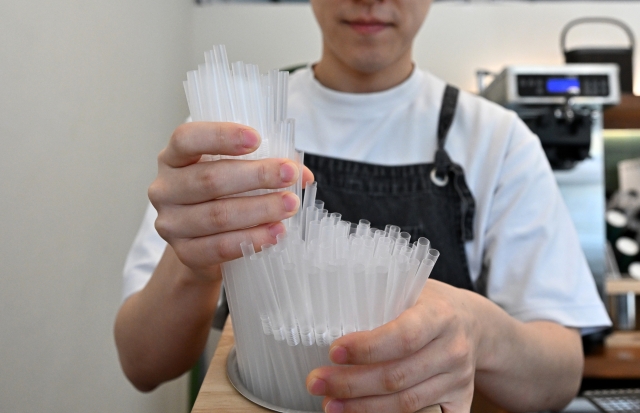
(235, 377)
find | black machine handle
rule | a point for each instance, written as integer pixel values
(607, 20)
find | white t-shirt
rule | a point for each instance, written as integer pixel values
(523, 235)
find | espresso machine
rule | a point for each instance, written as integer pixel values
(563, 105)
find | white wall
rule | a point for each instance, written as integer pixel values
(457, 39)
(89, 93)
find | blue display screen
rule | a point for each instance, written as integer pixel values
(563, 85)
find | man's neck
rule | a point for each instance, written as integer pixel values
(334, 74)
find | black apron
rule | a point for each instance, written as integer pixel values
(427, 200)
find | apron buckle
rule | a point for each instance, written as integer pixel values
(437, 180)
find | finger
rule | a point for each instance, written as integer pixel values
(452, 394)
(435, 358)
(205, 253)
(223, 215)
(405, 335)
(205, 181)
(192, 140)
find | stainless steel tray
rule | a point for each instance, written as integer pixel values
(233, 373)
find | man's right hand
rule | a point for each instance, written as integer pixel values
(161, 330)
(196, 214)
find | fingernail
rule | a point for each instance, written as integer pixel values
(334, 406)
(276, 229)
(317, 387)
(290, 202)
(249, 138)
(338, 355)
(287, 172)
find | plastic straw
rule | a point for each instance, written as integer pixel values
(325, 277)
(421, 278)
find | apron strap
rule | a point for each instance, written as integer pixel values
(447, 112)
(444, 166)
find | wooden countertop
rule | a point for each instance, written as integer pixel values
(619, 358)
(217, 395)
(624, 116)
(622, 286)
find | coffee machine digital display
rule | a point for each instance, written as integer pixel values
(563, 106)
(562, 85)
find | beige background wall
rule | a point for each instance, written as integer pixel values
(89, 93)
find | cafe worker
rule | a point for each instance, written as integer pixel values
(510, 296)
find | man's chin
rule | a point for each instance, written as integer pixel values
(369, 63)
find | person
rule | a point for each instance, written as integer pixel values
(509, 296)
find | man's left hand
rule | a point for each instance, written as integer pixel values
(426, 356)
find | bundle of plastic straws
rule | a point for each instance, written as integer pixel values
(325, 277)
(219, 93)
(334, 278)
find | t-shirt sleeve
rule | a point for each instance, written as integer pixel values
(144, 255)
(535, 267)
